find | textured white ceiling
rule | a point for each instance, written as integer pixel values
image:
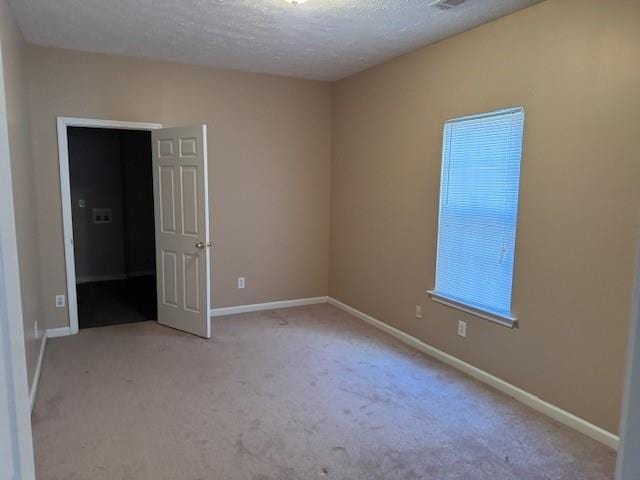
(321, 39)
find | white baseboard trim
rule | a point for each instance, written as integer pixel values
(58, 332)
(562, 416)
(100, 278)
(217, 312)
(33, 391)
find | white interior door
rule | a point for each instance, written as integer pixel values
(182, 228)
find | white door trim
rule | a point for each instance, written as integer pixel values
(628, 465)
(11, 329)
(65, 194)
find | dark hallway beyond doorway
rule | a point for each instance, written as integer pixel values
(111, 180)
(118, 301)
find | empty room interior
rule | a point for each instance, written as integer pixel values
(341, 239)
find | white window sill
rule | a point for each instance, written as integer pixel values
(506, 321)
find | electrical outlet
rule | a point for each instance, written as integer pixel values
(240, 282)
(102, 215)
(60, 301)
(418, 311)
(462, 328)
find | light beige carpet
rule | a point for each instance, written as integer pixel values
(303, 393)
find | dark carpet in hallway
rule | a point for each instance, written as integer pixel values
(117, 301)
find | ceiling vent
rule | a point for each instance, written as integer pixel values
(446, 4)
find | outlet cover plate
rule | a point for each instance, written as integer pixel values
(462, 328)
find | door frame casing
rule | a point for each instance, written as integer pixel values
(628, 465)
(11, 326)
(63, 123)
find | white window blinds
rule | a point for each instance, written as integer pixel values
(478, 210)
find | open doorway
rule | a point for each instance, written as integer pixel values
(91, 276)
(180, 224)
(111, 183)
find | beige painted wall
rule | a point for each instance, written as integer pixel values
(575, 67)
(22, 171)
(269, 157)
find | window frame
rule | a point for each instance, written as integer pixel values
(509, 320)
